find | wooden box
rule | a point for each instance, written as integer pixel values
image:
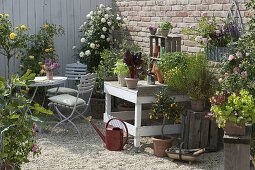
(199, 131)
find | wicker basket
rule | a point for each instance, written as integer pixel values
(97, 108)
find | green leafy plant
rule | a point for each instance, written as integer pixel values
(12, 40)
(165, 108)
(97, 35)
(238, 107)
(16, 122)
(41, 47)
(166, 25)
(120, 67)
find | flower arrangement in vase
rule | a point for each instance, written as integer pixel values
(48, 66)
(133, 61)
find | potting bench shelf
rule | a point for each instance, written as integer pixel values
(141, 95)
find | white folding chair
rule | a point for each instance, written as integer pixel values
(72, 105)
(73, 72)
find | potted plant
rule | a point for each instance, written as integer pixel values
(164, 28)
(233, 110)
(153, 29)
(133, 61)
(17, 125)
(121, 69)
(164, 108)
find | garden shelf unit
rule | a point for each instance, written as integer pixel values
(171, 43)
(143, 94)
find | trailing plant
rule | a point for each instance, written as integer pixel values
(41, 47)
(17, 125)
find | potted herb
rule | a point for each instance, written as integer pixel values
(16, 122)
(164, 108)
(153, 29)
(233, 110)
(121, 69)
(133, 61)
(164, 28)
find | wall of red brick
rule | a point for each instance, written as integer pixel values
(181, 13)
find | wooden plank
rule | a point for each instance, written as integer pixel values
(31, 16)
(205, 123)
(194, 133)
(38, 14)
(213, 135)
(47, 11)
(186, 130)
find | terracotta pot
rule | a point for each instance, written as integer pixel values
(197, 105)
(164, 33)
(160, 145)
(156, 51)
(234, 129)
(49, 75)
(131, 82)
(158, 73)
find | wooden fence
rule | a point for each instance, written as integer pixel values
(68, 13)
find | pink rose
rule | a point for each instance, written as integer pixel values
(231, 57)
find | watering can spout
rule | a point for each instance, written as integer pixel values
(96, 128)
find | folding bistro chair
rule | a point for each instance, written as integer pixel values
(72, 105)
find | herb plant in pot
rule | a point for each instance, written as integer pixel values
(233, 110)
(121, 69)
(164, 28)
(164, 108)
(133, 61)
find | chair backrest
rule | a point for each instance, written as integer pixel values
(86, 85)
(74, 71)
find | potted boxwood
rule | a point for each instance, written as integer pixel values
(164, 108)
(233, 110)
(121, 70)
(16, 122)
(164, 28)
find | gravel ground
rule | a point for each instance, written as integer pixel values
(64, 150)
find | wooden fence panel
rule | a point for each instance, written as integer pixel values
(68, 13)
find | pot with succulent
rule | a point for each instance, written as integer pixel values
(164, 108)
(164, 28)
(133, 61)
(233, 111)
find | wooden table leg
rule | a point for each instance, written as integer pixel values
(108, 104)
(138, 113)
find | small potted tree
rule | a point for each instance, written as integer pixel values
(164, 108)
(164, 28)
(121, 69)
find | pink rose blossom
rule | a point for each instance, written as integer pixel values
(231, 57)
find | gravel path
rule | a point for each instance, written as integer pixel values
(64, 150)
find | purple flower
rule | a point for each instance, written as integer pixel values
(152, 28)
(234, 32)
(50, 65)
(35, 149)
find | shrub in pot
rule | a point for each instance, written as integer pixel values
(164, 108)
(164, 28)
(121, 69)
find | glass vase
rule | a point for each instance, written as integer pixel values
(49, 75)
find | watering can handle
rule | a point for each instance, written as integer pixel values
(126, 141)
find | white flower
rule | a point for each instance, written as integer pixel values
(106, 16)
(87, 53)
(81, 54)
(103, 20)
(99, 12)
(97, 45)
(81, 27)
(88, 16)
(125, 20)
(91, 13)
(247, 54)
(108, 39)
(239, 54)
(199, 39)
(108, 8)
(82, 40)
(231, 57)
(109, 23)
(220, 80)
(112, 27)
(101, 6)
(92, 45)
(123, 25)
(73, 47)
(102, 36)
(84, 23)
(118, 18)
(205, 40)
(104, 29)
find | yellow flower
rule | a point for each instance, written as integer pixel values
(21, 66)
(31, 57)
(23, 27)
(46, 26)
(6, 15)
(40, 63)
(12, 36)
(1, 15)
(47, 50)
(42, 71)
(51, 49)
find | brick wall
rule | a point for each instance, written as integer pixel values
(181, 13)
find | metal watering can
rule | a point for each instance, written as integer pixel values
(113, 136)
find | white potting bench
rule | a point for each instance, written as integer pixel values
(141, 95)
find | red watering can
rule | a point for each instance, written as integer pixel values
(113, 137)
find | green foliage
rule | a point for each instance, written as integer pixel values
(16, 125)
(120, 68)
(166, 25)
(97, 35)
(235, 107)
(12, 40)
(41, 47)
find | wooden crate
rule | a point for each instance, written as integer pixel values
(199, 131)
